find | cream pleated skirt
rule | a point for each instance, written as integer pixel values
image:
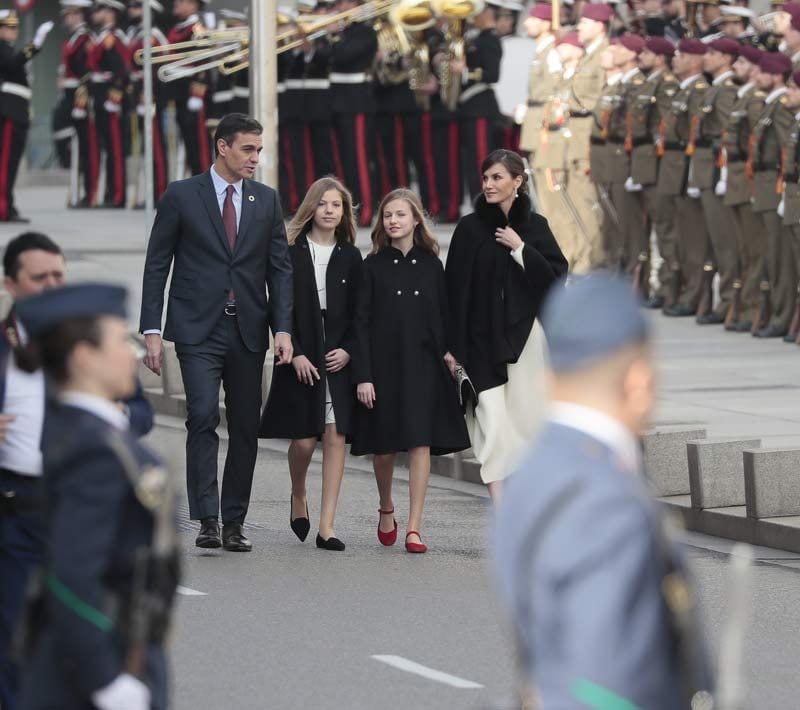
(508, 417)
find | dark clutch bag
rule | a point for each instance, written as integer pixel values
(466, 390)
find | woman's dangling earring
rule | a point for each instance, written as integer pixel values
(516, 193)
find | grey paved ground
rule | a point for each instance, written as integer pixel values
(289, 626)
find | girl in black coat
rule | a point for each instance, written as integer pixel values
(409, 399)
(314, 399)
(502, 260)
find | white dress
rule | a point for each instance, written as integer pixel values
(508, 416)
(320, 257)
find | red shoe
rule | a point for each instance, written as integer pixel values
(387, 539)
(415, 546)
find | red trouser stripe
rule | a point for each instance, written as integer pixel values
(308, 153)
(294, 200)
(94, 160)
(158, 160)
(118, 159)
(5, 159)
(400, 151)
(202, 140)
(363, 169)
(337, 156)
(428, 164)
(453, 206)
(481, 141)
(383, 169)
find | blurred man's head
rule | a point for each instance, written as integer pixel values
(32, 263)
(600, 353)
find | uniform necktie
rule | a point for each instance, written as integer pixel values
(229, 220)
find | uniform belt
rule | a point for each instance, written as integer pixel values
(8, 87)
(472, 91)
(535, 104)
(219, 97)
(642, 141)
(672, 145)
(70, 83)
(597, 141)
(294, 83)
(280, 87)
(317, 84)
(616, 141)
(241, 91)
(580, 114)
(101, 77)
(359, 77)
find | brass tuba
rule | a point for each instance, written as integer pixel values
(416, 16)
(456, 12)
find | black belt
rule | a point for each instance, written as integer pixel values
(534, 104)
(642, 141)
(597, 141)
(11, 503)
(616, 141)
(230, 309)
(580, 114)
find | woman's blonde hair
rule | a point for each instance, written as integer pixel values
(304, 217)
(423, 234)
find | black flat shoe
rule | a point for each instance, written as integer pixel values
(300, 526)
(332, 543)
(209, 534)
(233, 539)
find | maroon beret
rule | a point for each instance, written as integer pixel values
(692, 46)
(542, 11)
(659, 45)
(570, 38)
(634, 43)
(725, 45)
(796, 78)
(750, 53)
(775, 63)
(599, 12)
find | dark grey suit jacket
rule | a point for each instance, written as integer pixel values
(188, 230)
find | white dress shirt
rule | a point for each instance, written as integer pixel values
(600, 426)
(103, 409)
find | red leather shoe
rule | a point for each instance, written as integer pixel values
(387, 539)
(415, 546)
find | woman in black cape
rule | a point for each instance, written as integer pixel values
(502, 260)
(314, 398)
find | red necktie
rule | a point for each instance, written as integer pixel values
(229, 220)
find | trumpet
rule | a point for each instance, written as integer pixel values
(198, 45)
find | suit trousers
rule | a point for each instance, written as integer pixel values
(12, 145)
(355, 133)
(660, 211)
(692, 245)
(22, 546)
(751, 247)
(721, 228)
(780, 269)
(222, 359)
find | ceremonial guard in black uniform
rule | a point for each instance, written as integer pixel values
(15, 100)
(293, 134)
(353, 105)
(189, 93)
(321, 150)
(231, 91)
(95, 628)
(72, 109)
(135, 35)
(109, 72)
(477, 105)
(285, 167)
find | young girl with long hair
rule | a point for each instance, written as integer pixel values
(408, 399)
(314, 399)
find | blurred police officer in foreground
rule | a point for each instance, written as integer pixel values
(601, 607)
(95, 627)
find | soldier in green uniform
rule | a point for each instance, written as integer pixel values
(675, 146)
(649, 102)
(706, 122)
(764, 160)
(737, 192)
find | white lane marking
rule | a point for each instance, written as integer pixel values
(404, 664)
(190, 592)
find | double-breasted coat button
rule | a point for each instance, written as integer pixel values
(344, 281)
(395, 261)
(399, 293)
(416, 293)
(413, 261)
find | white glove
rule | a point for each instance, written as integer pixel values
(693, 192)
(123, 693)
(195, 104)
(210, 20)
(631, 186)
(720, 188)
(140, 110)
(41, 33)
(79, 114)
(112, 107)
(781, 207)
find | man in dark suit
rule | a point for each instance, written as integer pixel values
(226, 236)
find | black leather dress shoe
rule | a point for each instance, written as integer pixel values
(679, 311)
(654, 302)
(332, 543)
(771, 331)
(233, 538)
(209, 534)
(710, 319)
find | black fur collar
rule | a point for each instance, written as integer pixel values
(493, 216)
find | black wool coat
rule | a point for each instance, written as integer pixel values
(400, 332)
(294, 410)
(493, 300)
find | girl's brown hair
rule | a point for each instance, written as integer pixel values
(511, 161)
(304, 217)
(423, 234)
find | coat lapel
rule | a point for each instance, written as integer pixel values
(212, 207)
(248, 205)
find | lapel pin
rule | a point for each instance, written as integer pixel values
(251, 198)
